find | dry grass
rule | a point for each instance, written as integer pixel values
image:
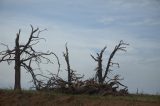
(34, 98)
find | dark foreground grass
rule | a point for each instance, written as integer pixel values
(35, 98)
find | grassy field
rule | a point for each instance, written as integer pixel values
(35, 98)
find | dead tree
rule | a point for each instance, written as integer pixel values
(73, 78)
(24, 55)
(66, 56)
(120, 47)
(99, 68)
(101, 78)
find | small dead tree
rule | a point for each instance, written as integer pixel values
(66, 56)
(24, 55)
(120, 47)
(101, 78)
(99, 68)
(73, 78)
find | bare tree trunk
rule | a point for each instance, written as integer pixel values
(66, 56)
(69, 72)
(17, 85)
(100, 71)
(99, 67)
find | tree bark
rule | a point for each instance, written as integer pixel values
(100, 80)
(17, 85)
(66, 56)
(99, 68)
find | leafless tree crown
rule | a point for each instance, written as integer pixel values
(101, 78)
(24, 55)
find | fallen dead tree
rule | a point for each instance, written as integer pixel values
(75, 84)
(89, 86)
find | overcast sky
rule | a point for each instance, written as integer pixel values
(88, 26)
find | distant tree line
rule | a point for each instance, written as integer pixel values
(25, 55)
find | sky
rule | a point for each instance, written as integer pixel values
(87, 26)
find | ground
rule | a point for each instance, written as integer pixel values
(35, 98)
